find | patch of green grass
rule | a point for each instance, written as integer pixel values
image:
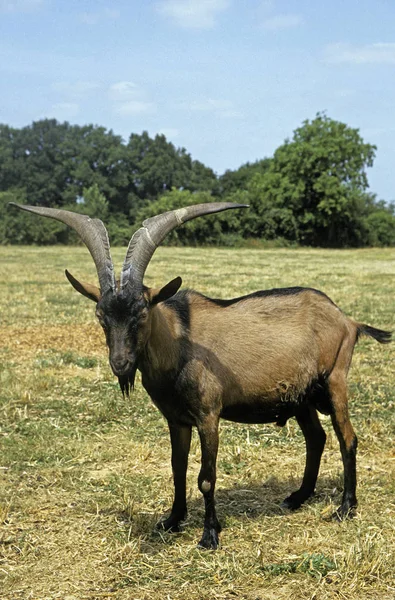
(315, 565)
(52, 358)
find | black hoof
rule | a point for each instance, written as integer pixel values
(343, 513)
(210, 540)
(293, 502)
(171, 525)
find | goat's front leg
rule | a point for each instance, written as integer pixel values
(180, 437)
(208, 432)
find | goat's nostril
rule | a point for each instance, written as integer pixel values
(120, 365)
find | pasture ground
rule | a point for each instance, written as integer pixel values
(85, 474)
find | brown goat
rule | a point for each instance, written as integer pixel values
(260, 358)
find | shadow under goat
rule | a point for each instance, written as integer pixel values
(260, 358)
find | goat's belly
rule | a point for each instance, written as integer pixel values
(260, 413)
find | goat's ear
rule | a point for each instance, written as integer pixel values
(86, 289)
(159, 295)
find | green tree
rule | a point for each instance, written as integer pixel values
(381, 225)
(94, 203)
(55, 161)
(266, 219)
(18, 227)
(313, 191)
(156, 166)
(31, 159)
(219, 229)
(96, 156)
(239, 179)
(320, 176)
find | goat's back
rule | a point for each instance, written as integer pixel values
(267, 344)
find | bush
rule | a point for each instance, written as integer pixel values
(381, 228)
(19, 227)
(220, 229)
(119, 230)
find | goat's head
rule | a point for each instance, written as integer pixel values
(123, 308)
(124, 315)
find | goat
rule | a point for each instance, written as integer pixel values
(260, 358)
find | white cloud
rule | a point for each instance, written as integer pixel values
(20, 5)
(279, 22)
(94, 17)
(134, 107)
(379, 53)
(194, 14)
(129, 99)
(124, 90)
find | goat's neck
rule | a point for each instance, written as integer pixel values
(163, 346)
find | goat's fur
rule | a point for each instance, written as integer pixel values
(260, 358)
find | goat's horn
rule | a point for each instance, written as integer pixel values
(154, 230)
(92, 232)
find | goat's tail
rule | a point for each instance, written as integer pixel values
(384, 337)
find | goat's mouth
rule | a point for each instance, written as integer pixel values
(126, 381)
(123, 366)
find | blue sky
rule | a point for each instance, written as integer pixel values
(228, 80)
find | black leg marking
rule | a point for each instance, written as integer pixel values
(349, 455)
(208, 432)
(315, 438)
(180, 444)
(348, 446)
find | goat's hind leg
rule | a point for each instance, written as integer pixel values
(180, 444)
(315, 438)
(348, 443)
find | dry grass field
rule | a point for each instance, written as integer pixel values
(85, 473)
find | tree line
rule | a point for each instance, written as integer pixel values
(313, 191)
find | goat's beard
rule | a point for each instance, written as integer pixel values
(126, 382)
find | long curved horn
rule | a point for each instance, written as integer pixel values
(92, 232)
(146, 239)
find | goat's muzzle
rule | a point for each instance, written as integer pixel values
(121, 366)
(125, 369)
